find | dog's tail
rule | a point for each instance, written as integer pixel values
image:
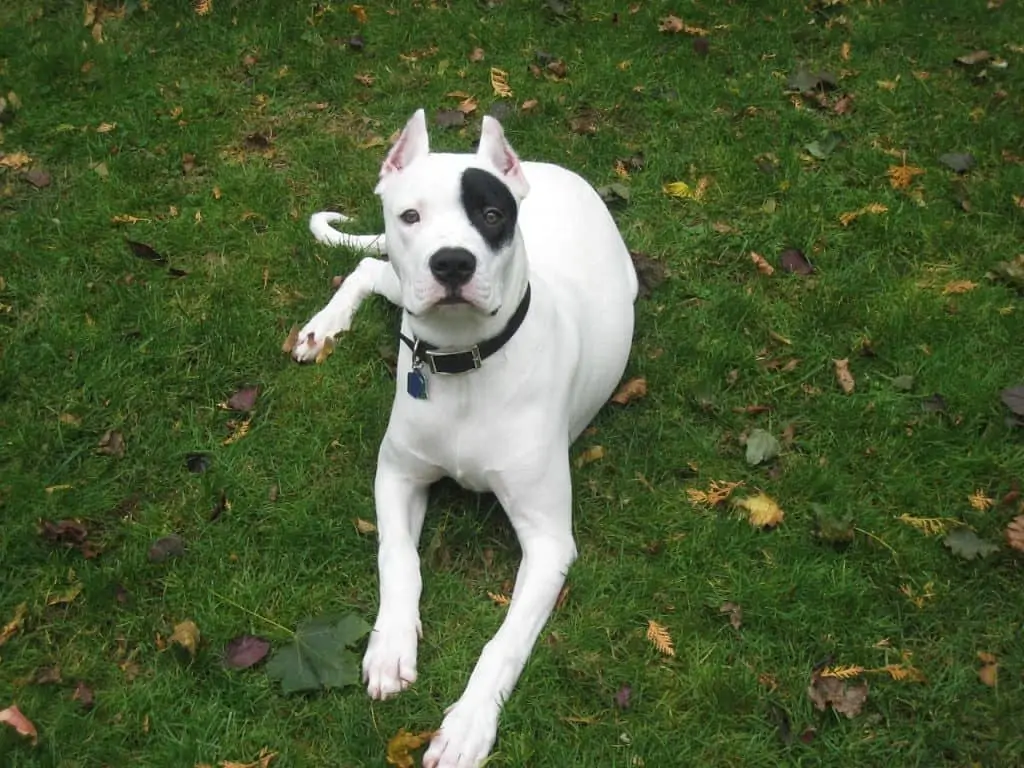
(320, 226)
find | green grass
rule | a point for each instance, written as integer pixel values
(89, 330)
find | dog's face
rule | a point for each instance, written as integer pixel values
(450, 220)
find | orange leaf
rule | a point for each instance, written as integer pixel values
(14, 718)
(718, 492)
(958, 286)
(902, 176)
(634, 389)
(359, 12)
(674, 25)
(402, 743)
(14, 624)
(980, 501)
(589, 456)
(988, 673)
(499, 599)
(762, 265)
(660, 638)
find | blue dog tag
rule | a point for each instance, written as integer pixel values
(416, 384)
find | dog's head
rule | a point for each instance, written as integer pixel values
(450, 220)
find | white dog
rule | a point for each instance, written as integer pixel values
(517, 325)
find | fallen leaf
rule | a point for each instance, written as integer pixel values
(842, 673)
(359, 12)
(660, 638)
(72, 534)
(499, 599)
(988, 672)
(650, 273)
(845, 698)
(245, 651)
(614, 193)
(902, 176)
(325, 351)
(590, 455)
(762, 265)
(634, 389)
(822, 148)
(365, 527)
(961, 162)
(146, 252)
(16, 623)
(402, 744)
(499, 83)
(112, 443)
(832, 529)
(761, 447)
(1013, 398)
(37, 177)
(83, 695)
(365, 79)
(529, 104)
(263, 760)
(243, 400)
(240, 431)
(684, 191)
(844, 51)
(202, 7)
(186, 634)
(476, 55)
(318, 656)
(843, 375)
(735, 614)
(957, 287)
(13, 717)
(888, 85)
(716, 493)
(966, 544)
(14, 160)
(66, 597)
(793, 260)
(450, 118)
(1014, 537)
(622, 697)
(166, 548)
(289, 343)
(875, 208)
(763, 511)
(674, 25)
(807, 82)
(980, 501)
(973, 58)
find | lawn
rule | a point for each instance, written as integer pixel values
(211, 137)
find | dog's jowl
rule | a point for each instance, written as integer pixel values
(517, 293)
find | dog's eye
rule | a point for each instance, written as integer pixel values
(492, 216)
(410, 216)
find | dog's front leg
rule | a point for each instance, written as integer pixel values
(541, 513)
(371, 276)
(400, 491)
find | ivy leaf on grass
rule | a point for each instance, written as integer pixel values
(761, 447)
(319, 656)
(820, 149)
(245, 651)
(966, 544)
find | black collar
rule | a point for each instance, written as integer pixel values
(424, 353)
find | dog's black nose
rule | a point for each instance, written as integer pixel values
(453, 267)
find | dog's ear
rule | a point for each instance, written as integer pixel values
(412, 143)
(498, 152)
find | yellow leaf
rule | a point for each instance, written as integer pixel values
(402, 743)
(262, 761)
(684, 191)
(889, 85)
(359, 12)
(15, 160)
(844, 51)
(930, 526)
(902, 176)
(762, 265)
(202, 7)
(989, 671)
(240, 431)
(958, 286)
(634, 389)
(674, 25)
(592, 454)
(719, 491)
(499, 82)
(843, 375)
(14, 624)
(126, 218)
(848, 218)
(66, 597)
(762, 509)
(97, 32)
(902, 673)
(660, 638)
(186, 634)
(365, 527)
(980, 501)
(105, 127)
(499, 599)
(841, 673)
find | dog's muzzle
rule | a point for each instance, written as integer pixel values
(452, 267)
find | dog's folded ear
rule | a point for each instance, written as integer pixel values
(496, 150)
(412, 143)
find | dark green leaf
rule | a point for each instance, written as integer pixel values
(146, 252)
(961, 162)
(804, 80)
(966, 544)
(825, 146)
(761, 447)
(830, 528)
(319, 656)
(614, 193)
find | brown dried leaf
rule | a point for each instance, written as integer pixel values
(634, 389)
(843, 375)
(845, 698)
(735, 614)
(674, 25)
(243, 400)
(988, 672)
(499, 83)
(13, 717)
(763, 511)
(980, 501)
(875, 208)
(660, 638)
(590, 455)
(16, 623)
(957, 287)
(240, 431)
(291, 341)
(718, 492)
(365, 527)
(262, 761)
(499, 599)
(84, 695)
(902, 176)
(476, 55)
(325, 351)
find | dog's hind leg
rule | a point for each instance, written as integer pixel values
(371, 276)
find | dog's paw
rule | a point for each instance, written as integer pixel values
(309, 345)
(389, 666)
(465, 738)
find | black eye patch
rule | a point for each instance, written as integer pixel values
(481, 191)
